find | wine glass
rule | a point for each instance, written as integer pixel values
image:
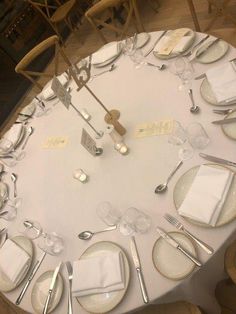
(129, 46)
(108, 214)
(181, 67)
(51, 243)
(134, 221)
(179, 137)
(138, 58)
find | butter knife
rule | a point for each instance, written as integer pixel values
(176, 245)
(225, 121)
(207, 48)
(137, 265)
(154, 45)
(52, 285)
(31, 276)
(218, 160)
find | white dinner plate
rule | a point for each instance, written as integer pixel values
(228, 211)
(104, 302)
(26, 244)
(208, 95)
(230, 129)
(169, 261)
(214, 53)
(110, 59)
(142, 40)
(27, 110)
(14, 138)
(40, 292)
(190, 33)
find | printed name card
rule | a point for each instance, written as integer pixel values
(55, 142)
(61, 92)
(88, 142)
(154, 128)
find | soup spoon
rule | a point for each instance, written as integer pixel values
(87, 235)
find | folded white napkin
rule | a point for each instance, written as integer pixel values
(180, 46)
(207, 195)
(105, 53)
(98, 274)
(13, 260)
(222, 79)
(11, 137)
(47, 92)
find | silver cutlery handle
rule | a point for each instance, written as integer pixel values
(190, 92)
(26, 141)
(19, 299)
(192, 258)
(203, 245)
(200, 42)
(45, 310)
(70, 309)
(95, 75)
(179, 164)
(107, 229)
(142, 286)
(15, 190)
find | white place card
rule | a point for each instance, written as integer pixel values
(61, 92)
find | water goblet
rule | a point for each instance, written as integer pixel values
(138, 58)
(197, 136)
(51, 243)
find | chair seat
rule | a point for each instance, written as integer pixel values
(62, 12)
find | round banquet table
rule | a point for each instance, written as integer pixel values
(62, 204)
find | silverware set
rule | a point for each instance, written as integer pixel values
(191, 51)
(218, 160)
(70, 278)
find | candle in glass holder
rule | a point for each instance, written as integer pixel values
(80, 175)
(119, 145)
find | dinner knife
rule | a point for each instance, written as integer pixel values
(52, 285)
(218, 160)
(176, 245)
(137, 265)
(225, 121)
(154, 45)
(31, 276)
(207, 48)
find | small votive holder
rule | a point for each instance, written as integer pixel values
(121, 148)
(85, 114)
(119, 145)
(80, 175)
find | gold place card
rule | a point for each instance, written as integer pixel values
(55, 142)
(154, 128)
(173, 40)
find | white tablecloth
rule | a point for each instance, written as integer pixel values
(62, 204)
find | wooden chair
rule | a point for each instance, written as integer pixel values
(94, 17)
(226, 289)
(220, 10)
(227, 34)
(55, 12)
(180, 307)
(23, 65)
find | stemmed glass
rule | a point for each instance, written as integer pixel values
(138, 58)
(179, 137)
(183, 68)
(51, 242)
(108, 214)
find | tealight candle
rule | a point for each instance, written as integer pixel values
(80, 175)
(85, 114)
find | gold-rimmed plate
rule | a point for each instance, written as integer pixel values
(169, 261)
(104, 302)
(228, 212)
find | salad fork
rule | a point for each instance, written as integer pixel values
(70, 277)
(174, 222)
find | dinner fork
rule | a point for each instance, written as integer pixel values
(174, 222)
(70, 277)
(223, 111)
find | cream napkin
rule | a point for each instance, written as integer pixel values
(13, 260)
(47, 92)
(207, 195)
(98, 274)
(180, 46)
(11, 135)
(105, 53)
(223, 81)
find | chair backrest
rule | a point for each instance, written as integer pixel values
(22, 66)
(46, 7)
(93, 16)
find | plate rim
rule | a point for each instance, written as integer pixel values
(194, 222)
(223, 129)
(221, 56)
(128, 275)
(62, 289)
(195, 252)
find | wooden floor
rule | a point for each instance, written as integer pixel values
(172, 14)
